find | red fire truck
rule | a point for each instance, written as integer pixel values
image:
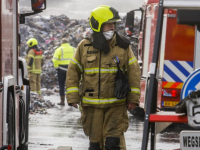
(14, 82)
(176, 38)
(176, 53)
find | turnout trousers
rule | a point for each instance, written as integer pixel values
(35, 82)
(105, 127)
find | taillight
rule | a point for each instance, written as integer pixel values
(170, 93)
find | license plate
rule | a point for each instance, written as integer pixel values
(170, 104)
(190, 140)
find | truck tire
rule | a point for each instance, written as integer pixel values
(11, 119)
(25, 104)
(21, 120)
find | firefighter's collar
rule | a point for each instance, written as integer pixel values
(100, 42)
(113, 40)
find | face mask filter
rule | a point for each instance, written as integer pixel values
(108, 35)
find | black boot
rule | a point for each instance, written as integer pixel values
(94, 146)
(112, 143)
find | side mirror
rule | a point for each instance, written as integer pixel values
(130, 21)
(38, 5)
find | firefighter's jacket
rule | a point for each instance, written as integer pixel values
(36, 57)
(98, 70)
(63, 55)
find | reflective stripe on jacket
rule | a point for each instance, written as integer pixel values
(98, 72)
(63, 55)
(36, 66)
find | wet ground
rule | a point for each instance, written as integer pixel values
(61, 127)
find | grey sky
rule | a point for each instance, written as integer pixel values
(80, 9)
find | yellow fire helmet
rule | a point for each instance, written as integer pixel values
(32, 42)
(103, 14)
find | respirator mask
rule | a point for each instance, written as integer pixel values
(108, 35)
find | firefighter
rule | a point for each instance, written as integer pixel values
(61, 60)
(111, 81)
(34, 63)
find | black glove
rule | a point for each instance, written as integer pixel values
(122, 87)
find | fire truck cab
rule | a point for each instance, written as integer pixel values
(14, 82)
(187, 22)
(176, 57)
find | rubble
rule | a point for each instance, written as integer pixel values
(49, 32)
(39, 104)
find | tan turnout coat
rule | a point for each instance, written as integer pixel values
(97, 71)
(36, 67)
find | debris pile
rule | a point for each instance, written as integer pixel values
(40, 105)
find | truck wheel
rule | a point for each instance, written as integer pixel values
(11, 119)
(25, 120)
(21, 120)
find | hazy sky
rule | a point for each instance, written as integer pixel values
(81, 9)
